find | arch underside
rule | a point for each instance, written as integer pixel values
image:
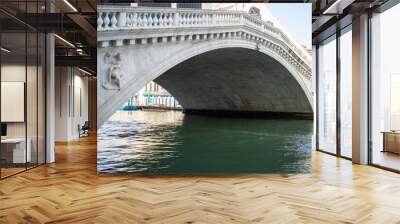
(235, 79)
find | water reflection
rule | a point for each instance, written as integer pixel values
(174, 143)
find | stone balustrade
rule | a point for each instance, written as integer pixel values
(117, 18)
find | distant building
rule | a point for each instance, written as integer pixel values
(153, 95)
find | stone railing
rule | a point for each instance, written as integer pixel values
(114, 18)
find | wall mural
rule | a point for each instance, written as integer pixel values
(213, 89)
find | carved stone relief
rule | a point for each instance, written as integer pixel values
(114, 73)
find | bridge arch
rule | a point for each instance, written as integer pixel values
(161, 66)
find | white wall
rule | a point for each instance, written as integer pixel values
(71, 102)
(12, 73)
(33, 126)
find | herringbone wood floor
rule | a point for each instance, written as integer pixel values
(70, 191)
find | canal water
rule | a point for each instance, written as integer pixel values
(171, 142)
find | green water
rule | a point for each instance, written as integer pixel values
(148, 142)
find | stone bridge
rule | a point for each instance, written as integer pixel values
(207, 59)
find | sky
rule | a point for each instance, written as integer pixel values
(296, 18)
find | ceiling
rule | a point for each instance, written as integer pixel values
(74, 22)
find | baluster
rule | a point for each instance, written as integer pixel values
(114, 20)
(190, 19)
(161, 20)
(201, 18)
(135, 20)
(187, 19)
(140, 19)
(156, 19)
(146, 18)
(128, 20)
(182, 19)
(150, 20)
(99, 21)
(166, 19)
(106, 21)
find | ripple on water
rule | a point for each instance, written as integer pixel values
(174, 143)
